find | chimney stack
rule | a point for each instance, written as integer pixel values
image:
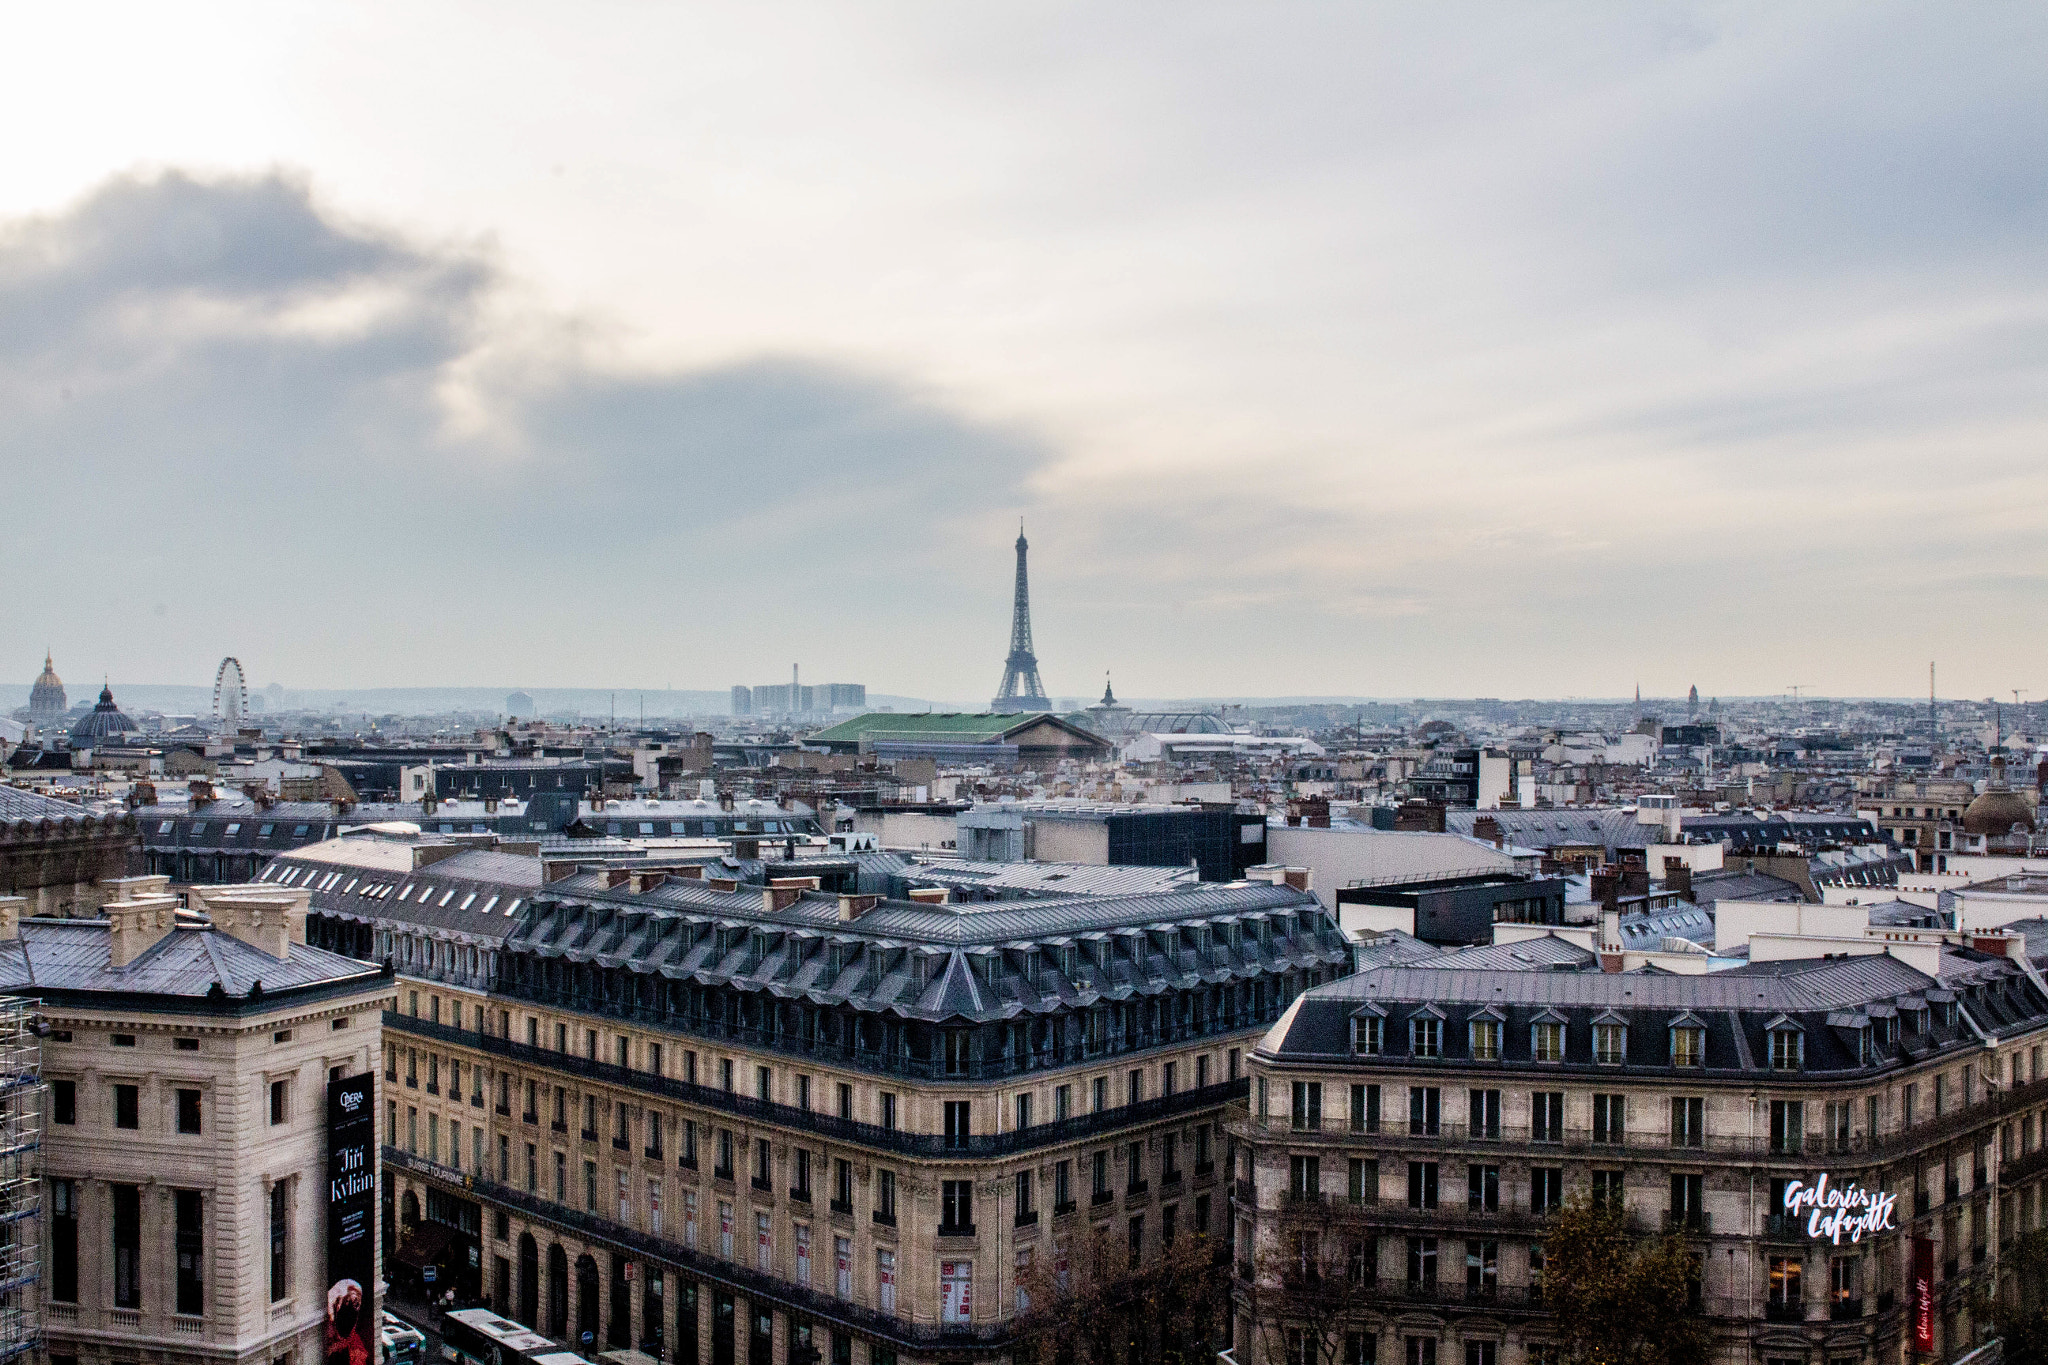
(270, 918)
(1678, 877)
(1610, 939)
(930, 895)
(853, 907)
(135, 925)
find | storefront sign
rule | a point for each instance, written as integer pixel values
(351, 1221)
(1923, 1295)
(1832, 1210)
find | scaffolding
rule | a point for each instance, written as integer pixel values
(21, 1202)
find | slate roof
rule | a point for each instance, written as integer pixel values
(987, 726)
(1614, 829)
(1012, 881)
(1646, 931)
(900, 955)
(1389, 948)
(1548, 952)
(474, 895)
(1828, 1001)
(1606, 828)
(73, 955)
(939, 961)
(1732, 884)
(17, 804)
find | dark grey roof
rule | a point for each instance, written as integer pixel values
(1683, 920)
(931, 961)
(449, 896)
(74, 955)
(104, 721)
(1605, 828)
(1533, 954)
(1016, 881)
(1732, 884)
(939, 961)
(1827, 1000)
(1391, 948)
(16, 804)
(1805, 984)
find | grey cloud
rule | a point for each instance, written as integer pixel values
(167, 387)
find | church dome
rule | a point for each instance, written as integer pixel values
(46, 698)
(106, 722)
(1994, 813)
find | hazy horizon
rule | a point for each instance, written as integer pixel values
(1398, 350)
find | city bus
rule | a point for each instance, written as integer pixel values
(477, 1336)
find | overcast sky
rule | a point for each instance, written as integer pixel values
(1509, 350)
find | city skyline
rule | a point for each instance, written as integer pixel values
(1382, 354)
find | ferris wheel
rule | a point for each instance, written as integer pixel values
(230, 695)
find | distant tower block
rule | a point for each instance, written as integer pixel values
(1021, 689)
(230, 696)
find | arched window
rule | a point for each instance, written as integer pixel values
(529, 1280)
(558, 1291)
(586, 1297)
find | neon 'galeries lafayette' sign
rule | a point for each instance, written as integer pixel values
(1832, 1210)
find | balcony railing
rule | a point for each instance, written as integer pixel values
(1394, 1127)
(1506, 1296)
(982, 1339)
(1697, 1222)
(848, 1130)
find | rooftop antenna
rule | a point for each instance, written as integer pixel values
(1933, 714)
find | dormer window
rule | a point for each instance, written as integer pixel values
(1688, 1046)
(1787, 1049)
(1945, 1013)
(1485, 1039)
(1546, 1042)
(1425, 1037)
(1368, 1035)
(1610, 1044)
(1864, 1050)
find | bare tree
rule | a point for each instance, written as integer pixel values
(1312, 1282)
(1086, 1304)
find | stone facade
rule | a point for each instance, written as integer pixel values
(1441, 1164)
(58, 858)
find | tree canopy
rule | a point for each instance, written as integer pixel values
(1619, 1297)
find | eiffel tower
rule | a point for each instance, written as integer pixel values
(1021, 689)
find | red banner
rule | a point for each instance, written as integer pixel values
(1923, 1295)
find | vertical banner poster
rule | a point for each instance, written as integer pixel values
(351, 1221)
(956, 1291)
(1923, 1295)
